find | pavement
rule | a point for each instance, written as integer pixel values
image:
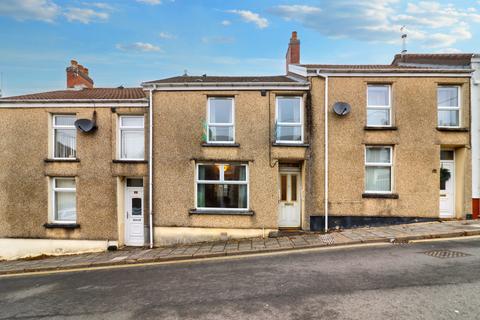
(392, 234)
(420, 280)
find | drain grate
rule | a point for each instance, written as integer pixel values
(443, 254)
(328, 239)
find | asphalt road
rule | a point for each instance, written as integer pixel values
(380, 282)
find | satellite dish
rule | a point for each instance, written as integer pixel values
(85, 125)
(341, 108)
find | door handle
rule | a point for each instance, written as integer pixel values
(127, 214)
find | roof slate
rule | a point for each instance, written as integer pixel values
(84, 94)
(447, 59)
(224, 79)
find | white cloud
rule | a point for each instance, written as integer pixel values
(252, 17)
(151, 2)
(167, 36)
(217, 40)
(43, 10)
(85, 15)
(226, 22)
(99, 5)
(138, 47)
(430, 24)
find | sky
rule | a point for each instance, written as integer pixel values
(126, 42)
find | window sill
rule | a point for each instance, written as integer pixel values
(380, 195)
(129, 161)
(286, 144)
(61, 225)
(222, 145)
(220, 212)
(453, 129)
(367, 128)
(62, 160)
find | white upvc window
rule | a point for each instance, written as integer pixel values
(222, 187)
(289, 119)
(378, 169)
(379, 106)
(131, 137)
(64, 200)
(448, 102)
(220, 120)
(64, 137)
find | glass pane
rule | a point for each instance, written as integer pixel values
(289, 133)
(222, 196)
(136, 206)
(378, 117)
(65, 120)
(378, 155)
(448, 118)
(447, 96)
(221, 111)
(378, 96)
(65, 183)
(234, 173)
(283, 187)
(445, 175)
(131, 121)
(209, 172)
(65, 143)
(65, 208)
(220, 134)
(132, 145)
(447, 155)
(134, 182)
(294, 187)
(289, 110)
(377, 179)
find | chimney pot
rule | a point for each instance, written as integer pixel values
(77, 76)
(293, 51)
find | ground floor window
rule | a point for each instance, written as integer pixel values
(64, 202)
(222, 186)
(378, 169)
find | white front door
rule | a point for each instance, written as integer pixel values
(134, 227)
(447, 189)
(289, 206)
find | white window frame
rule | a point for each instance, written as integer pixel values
(122, 128)
(221, 181)
(221, 124)
(387, 107)
(439, 108)
(54, 191)
(54, 128)
(379, 164)
(290, 124)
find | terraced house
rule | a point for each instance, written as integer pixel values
(193, 158)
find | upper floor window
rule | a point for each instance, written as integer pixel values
(448, 102)
(378, 169)
(379, 106)
(221, 120)
(132, 138)
(64, 200)
(289, 120)
(64, 137)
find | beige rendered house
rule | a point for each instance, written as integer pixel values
(322, 146)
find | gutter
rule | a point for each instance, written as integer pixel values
(150, 167)
(324, 76)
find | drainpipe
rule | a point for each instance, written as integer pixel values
(324, 76)
(150, 167)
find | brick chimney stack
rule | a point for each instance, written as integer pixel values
(77, 76)
(293, 52)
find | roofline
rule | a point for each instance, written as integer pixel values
(195, 86)
(72, 100)
(305, 72)
(71, 104)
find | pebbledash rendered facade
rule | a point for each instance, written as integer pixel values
(234, 157)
